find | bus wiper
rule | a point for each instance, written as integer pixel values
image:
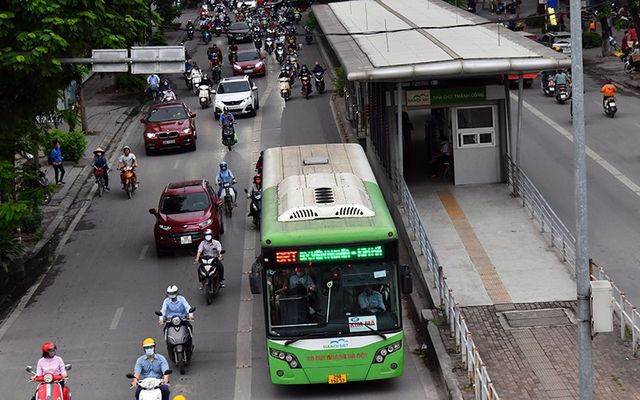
(293, 340)
(382, 335)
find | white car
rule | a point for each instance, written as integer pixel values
(239, 94)
(249, 3)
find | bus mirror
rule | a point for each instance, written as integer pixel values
(254, 277)
(406, 280)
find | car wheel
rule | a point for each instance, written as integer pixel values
(257, 105)
(148, 151)
(160, 251)
(193, 146)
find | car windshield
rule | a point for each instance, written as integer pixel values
(335, 299)
(167, 114)
(233, 87)
(184, 203)
(248, 56)
(239, 26)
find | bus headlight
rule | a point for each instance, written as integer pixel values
(284, 356)
(385, 351)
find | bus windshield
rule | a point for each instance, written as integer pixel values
(332, 299)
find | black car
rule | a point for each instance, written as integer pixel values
(239, 32)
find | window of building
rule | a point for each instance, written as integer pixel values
(475, 126)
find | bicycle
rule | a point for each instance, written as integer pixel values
(99, 174)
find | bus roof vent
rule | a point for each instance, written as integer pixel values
(323, 195)
(315, 160)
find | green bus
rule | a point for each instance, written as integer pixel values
(329, 269)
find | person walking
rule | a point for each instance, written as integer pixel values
(55, 156)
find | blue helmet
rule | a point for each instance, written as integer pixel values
(223, 165)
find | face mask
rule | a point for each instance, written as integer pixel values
(148, 351)
(208, 238)
(174, 297)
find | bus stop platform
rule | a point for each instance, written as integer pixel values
(517, 297)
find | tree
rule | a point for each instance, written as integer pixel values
(167, 10)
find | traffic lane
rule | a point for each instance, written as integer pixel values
(547, 158)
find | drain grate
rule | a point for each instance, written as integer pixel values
(536, 318)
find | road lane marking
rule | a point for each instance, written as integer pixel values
(143, 252)
(622, 178)
(175, 165)
(116, 319)
(637, 124)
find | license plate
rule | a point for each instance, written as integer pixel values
(248, 71)
(337, 378)
(185, 240)
(169, 141)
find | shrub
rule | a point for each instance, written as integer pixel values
(341, 80)
(73, 144)
(312, 23)
(157, 39)
(591, 40)
(134, 83)
(32, 222)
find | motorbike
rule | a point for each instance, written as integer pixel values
(255, 209)
(210, 276)
(280, 54)
(549, 87)
(167, 96)
(610, 107)
(36, 179)
(306, 86)
(228, 136)
(49, 385)
(190, 32)
(561, 94)
(285, 88)
(128, 179)
(268, 45)
(297, 17)
(150, 387)
(217, 30)
(319, 78)
(228, 194)
(630, 65)
(257, 42)
(216, 73)
(179, 339)
(204, 94)
(233, 56)
(195, 81)
(206, 36)
(187, 80)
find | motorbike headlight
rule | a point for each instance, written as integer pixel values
(205, 223)
(176, 320)
(150, 135)
(48, 378)
(164, 227)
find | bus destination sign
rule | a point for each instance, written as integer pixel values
(358, 253)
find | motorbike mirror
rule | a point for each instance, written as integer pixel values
(158, 313)
(29, 368)
(67, 367)
(153, 211)
(130, 375)
(192, 309)
(192, 115)
(246, 191)
(213, 92)
(168, 372)
(223, 251)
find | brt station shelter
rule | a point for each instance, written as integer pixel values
(426, 78)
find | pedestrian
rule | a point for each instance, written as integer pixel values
(55, 156)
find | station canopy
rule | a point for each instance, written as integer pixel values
(391, 40)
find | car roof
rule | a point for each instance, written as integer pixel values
(185, 187)
(166, 105)
(238, 23)
(235, 78)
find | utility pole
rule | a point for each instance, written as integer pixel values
(585, 371)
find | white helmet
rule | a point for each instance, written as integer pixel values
(172, 292)
(208, 235)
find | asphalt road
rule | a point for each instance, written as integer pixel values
(98, 302)
(613, 171)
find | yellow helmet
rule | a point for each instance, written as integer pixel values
(179, 397)
(148, 342)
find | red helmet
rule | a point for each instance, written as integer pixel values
(47, 347)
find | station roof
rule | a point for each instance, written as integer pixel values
(391, 40)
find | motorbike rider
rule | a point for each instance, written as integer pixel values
(164, 85)
(174, 305)
(128, 159)
(317, 69)
(196, 71)
(153, 81)
(225, 175)
(207, 81)
(256, 190)
(561, 78)
(608, 91)
(305, 73)
(100, 161)
(214, 50)
(210, 247)
(227, 119)
(151, 365)
(51, 363)
(259, 163)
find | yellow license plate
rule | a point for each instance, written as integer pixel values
(337, 378)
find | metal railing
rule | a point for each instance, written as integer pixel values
(477, 374)
(552, 228)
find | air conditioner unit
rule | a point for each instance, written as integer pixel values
(601, 306)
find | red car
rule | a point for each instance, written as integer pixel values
(169, 125)
(185, 211)
(249, 63)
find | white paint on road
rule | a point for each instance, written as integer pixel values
(637, 124)
(116, 319)
(143, 252)
(175, 165)
(622, 178)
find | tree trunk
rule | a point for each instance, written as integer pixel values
(606, 32)
(633, 12)
(82, 108)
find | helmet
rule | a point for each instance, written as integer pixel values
(172, 291)
(257, 178)
(317, 62)
(304, 67)
(98, 150)
(148, 342)
(208, 234)
(226, 109)
(223, 165)
(179, 397)
(48, 346)
(126, 148)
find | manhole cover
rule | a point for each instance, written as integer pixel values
(536, 318)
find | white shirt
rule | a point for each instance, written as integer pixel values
(212, 248)
(127, 160)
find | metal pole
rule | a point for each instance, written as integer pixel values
(516, 186)
(400, 136)
(585, 372)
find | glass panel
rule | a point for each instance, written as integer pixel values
(332, 299)
(486, 137)
(469, 139)
(476, 117)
